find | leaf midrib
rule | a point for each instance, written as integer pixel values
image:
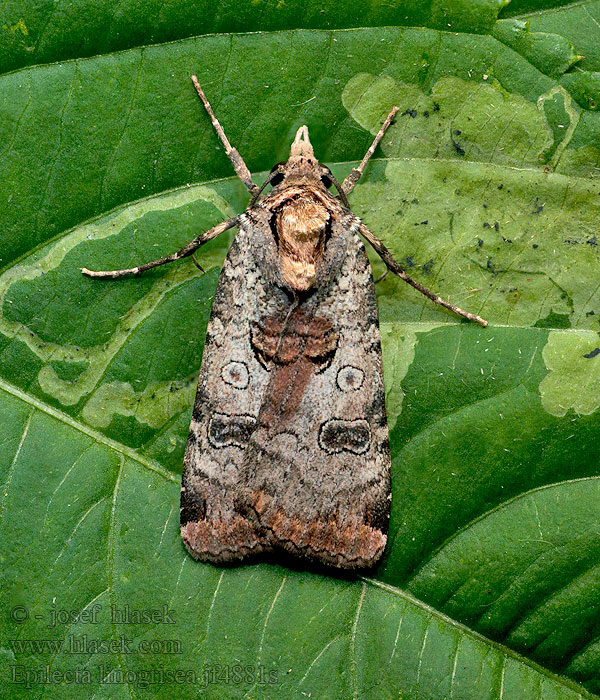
(196, 37)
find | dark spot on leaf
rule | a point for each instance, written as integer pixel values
(506, 240)
(436, 107)
(592, 241)
(480, 242)
(535, 245)
(593, 353)
(426, 114)
(490, 266)
(500, 187)
(409, 260)
(411, 113)
(428, 266)
(458, 148)
(485, 206)
(496, 225)
(590, 313)
(553, 320)
(486, 225)
(399, 212)
(457, 132)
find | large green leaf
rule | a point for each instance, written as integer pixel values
(487, 190)
(42, 32)
(102, 531)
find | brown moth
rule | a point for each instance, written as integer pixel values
(288, 445)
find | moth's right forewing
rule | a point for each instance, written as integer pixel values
(316, 477)
(231, 386)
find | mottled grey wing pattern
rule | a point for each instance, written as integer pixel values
(288, 446)
(316, 473)
(230, 389)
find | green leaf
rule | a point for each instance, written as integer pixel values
(576, 21)
(550, 53)
(585, 88)
(486, 188)
(533, 575)
(44, 32)
(84, 567)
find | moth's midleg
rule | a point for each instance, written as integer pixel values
(236, 159)
(397, 269)
(355, 173)
(187, 250)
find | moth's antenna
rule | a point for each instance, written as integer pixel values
(355, 173)
(236, 159)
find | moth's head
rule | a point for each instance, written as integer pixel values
(301, 166)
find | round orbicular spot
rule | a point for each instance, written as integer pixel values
(338, 435)
(236, 374)
(350, 378)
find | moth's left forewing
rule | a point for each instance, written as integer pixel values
(317, 469)
(231, 385)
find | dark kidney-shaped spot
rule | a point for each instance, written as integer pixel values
(230, 431)
(337, 435)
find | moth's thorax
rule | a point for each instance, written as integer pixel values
(301, 212)
(301, 227)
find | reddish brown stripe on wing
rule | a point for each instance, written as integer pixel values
(294, 348)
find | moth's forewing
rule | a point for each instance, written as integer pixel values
(316, 474)
(230, 391)
(288, 446)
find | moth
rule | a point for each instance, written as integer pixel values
(288, 445)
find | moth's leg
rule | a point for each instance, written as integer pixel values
(383, 275)
(355, 173)
(186, 251)
(236, 159)
(397, 269)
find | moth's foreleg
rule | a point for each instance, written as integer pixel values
(397, 269)
(236, 159)
(186, 251)
(355, 173)
(383, 275)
